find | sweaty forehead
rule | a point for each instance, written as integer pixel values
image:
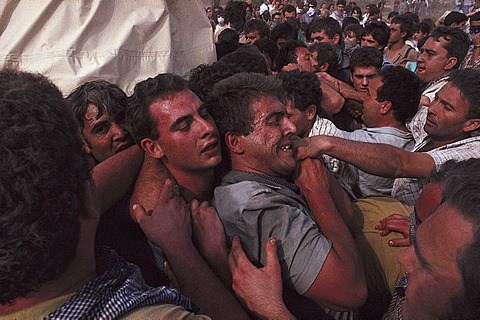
(174, 105)
(264, 106)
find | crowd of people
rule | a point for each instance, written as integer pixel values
(327, 166)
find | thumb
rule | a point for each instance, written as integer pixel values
(399, 242)
(138, 212)
(272, 262)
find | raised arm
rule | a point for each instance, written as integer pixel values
(340, 284)
(169, 227)
(114, 177)
(374, 158)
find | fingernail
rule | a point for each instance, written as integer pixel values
(135, 206)
(390, 243)
(272, 241)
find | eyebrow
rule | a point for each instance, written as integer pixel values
(276, 115)
(418, 252)
(180, 120)
(99, 124)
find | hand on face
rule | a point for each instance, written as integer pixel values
(168, 225)
(305, 148)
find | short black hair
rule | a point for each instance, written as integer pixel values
(144, 94)
(457, 42)
(287, 53)
(366, 57)
(404, 95)
(325, 53)
(454, 17)
(330, 26)
(406, 25)
(468, 82)
(283, 31)
(379, 31)
(258, 25)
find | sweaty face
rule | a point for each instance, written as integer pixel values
(369, 41)
(251, 37)
(304, 59)
(371, 107)
(447, 115)
(432, 62)
(434, 276)
(188, 134)
(267, 149)
(104, 137)
(321, 36)
(363, 76)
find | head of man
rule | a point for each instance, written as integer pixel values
(289, 12)
(455, 112)
(443, 284)
(303, 97)
(341, 6)
(282, 33)
(326, 30)
(99, 109)
(295, 52)
(376, 35)
(253, 124)
(43, 170)
(400, 29)
(364, 65)
(389, 99)
(256, 29)
(171, 124)
(324, 57)
(455, 19)
(443, 51)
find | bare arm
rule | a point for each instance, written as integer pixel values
(374, 158)
(344, 89)
(332, 101)
(114, 176)
(169, 227)
(340, 284)
(149, 184)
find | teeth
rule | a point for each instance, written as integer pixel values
(286, 148)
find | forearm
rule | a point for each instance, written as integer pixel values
(114, 176)
(332, 101)
(149, 183)
(198, 282)
(374, 158)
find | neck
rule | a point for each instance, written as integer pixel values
(390, 123)
(195, 185)
(80, 271)
(396, 45)
(434, 143)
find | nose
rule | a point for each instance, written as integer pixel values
(288, 127)
(206, 126)
(365, 82)
(118, 132)
(405, 257)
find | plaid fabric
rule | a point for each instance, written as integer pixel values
(118, 289)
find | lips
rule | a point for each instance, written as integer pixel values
(122, 146)
(210, 146)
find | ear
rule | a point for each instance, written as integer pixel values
(387, 106)
(451, 62)
(336, 38)
(471, 125)
(152, 148)
(234, 143)
(311, 112)
(324, 67)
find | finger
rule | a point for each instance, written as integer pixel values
(194, 205)
(139, 212)
(272, 262)
(237, 256)
(399, 242)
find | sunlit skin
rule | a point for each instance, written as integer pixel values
(434, 276)
(186, 131)
(432, 62)
(363, 76)
(104, 137)
(267, 149)
(321, 36)
(447, 116)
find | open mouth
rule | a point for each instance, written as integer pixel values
(287, 147)
(210, 146)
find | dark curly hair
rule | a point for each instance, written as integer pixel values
(366, 57)
(288, 53)
(106, 96)
(202, 78)
(42, 173)
(303, 88)
(404, 95)
(145, 92)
